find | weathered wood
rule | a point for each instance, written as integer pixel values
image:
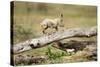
(84, 50)
(89, 53)
(73, 44)
(27, 59)
(46, 39)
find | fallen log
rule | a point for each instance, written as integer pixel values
(28, 59)
(85, 51)
(89, 53)
(47, 39)
(73, 44)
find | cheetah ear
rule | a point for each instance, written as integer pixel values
(61, 15)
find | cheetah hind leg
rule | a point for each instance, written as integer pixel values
(56, 28)
(45, 30)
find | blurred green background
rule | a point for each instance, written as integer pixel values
(29, 15)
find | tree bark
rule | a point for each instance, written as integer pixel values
(28, 60)
(73, 44)
(57, 36)
(84, 50)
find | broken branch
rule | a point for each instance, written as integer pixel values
(47, 39)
